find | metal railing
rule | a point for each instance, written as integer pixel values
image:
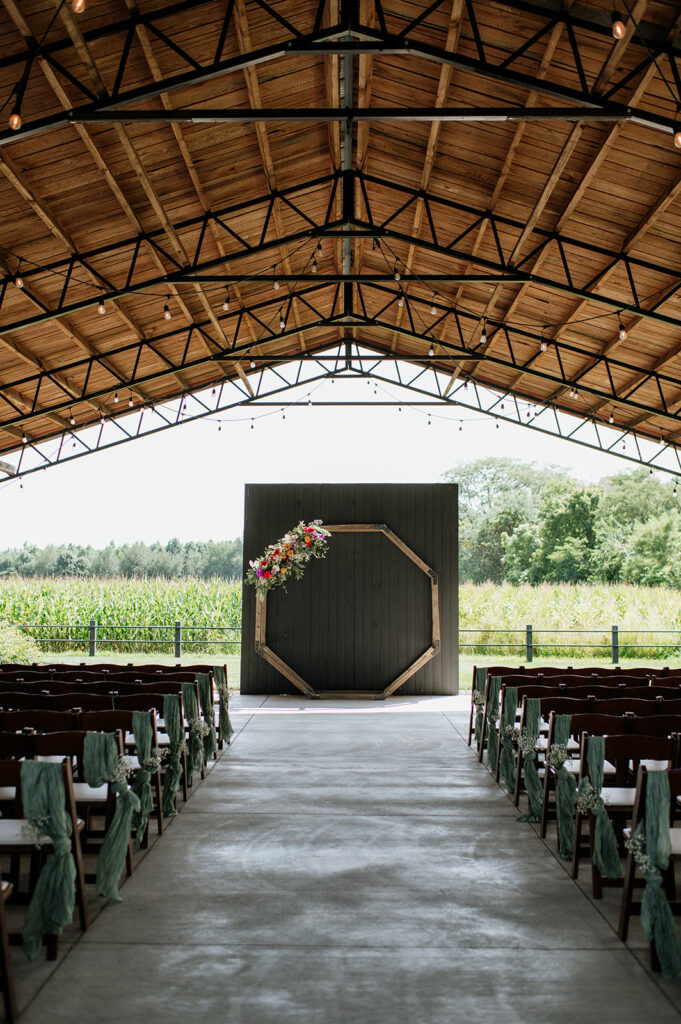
(186, 636)
(615, 645)
(99, 635)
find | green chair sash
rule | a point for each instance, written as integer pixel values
(479, 684)
(100, 765)
(144, 734)
(53, 901)
(605, 855)
(210, 741)
(529, 740)
(506, 757)
(191, 711)
(566, 793)
(225, 724)
(656, 914)
(491, 716)
(173, 769)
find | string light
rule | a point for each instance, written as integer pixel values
(116, 396)
(429, 420)
(252, 364)
(213, 392)
(319, 247)
(282, 322)
(431, 351)
(677, 137)
(24, 439)
(433, 308)
(131, 402)
(396, 272)
(15, 120)
(78, 6)
(460, 425)
(101, 309)
(483, 336)
(543, 344)
(400, 300)
(621, 333)
(276, 282)
(167, 315)
(72, 419)
(611, 418)
(219, 427)
(252, 425)
(618, 28)
(18, 280)
(225, 304)
(314, 266)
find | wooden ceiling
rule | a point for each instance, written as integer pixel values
(512, 163)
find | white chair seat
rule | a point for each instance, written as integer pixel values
(618, 796)
(8, 793)
(91, 794)
(16, 832)
(655, 766)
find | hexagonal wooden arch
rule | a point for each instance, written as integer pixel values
(431, 652)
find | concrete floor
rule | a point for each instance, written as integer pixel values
(352, 863)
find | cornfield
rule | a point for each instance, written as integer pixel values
(132, 615)
(138, 615)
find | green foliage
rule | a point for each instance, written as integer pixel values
(16, 647)
(173, 561)
(524, 523)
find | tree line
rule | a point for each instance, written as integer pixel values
(203, 559)
(528, 523)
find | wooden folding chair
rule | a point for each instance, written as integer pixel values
(144, 699)
(7, 980)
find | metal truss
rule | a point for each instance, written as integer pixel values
(358, 218)
(296, 384)
(347, 37)
(374, 307)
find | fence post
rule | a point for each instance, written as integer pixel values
(615, 645)
(178, 638)
(528, 643)
(93, 637)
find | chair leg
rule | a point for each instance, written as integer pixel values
(8, 993)
(596, 881)
(471, 719)
(518, 774)
(543, 825)
(81, 896)
(482, 744)
(52, 944)
(185, 786)
(159, 801)
(129, 860)
(627, 894)
(578, 842)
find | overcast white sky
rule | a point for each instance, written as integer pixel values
(188, 482)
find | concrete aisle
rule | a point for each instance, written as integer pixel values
(351, 863)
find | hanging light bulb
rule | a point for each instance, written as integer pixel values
(251, 424)
(101, 417)
(319, 247)
(15, 121)
(101, 309)
(460, 425)
(283, 415)
(543, 343)
(276, 282)
(219, 426)
(621, 333)
(677, 137)
(19, 281)
(465, 385)
(431, 351)
(72, 419)
(618, 27)
(399, 408)
(282, 322)
(611, 418)
(252, 364)
(167, 315)
(78, 6)
(213, 392)
(429, 420)
(497, 424)
(225, 304)
(400, 300)
(116, 396)
(314, 266)
(433, 309)
(24, 439)
(131, 402)
(502, 406)
(396, 273)
(483, 336)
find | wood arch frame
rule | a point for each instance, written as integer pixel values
(432, 651)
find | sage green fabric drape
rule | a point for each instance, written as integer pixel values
(144, 734)
(173, 768)
(532, 782)
(492, 715)
(100, 765)
(225, 725)
(44, 802)
(210, 742)
(566, 794)
(656, 915)
(191, 710)
(507, 758)
(606, 857)
(479, 684)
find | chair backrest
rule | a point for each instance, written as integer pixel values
(597, 724)
(152, 677)
(672, 681)
(144, 700)
(11, 683)
(657, 725)
(547, 670)
(38, 720)
(625, 752)
(76, 699)
(628, 706)
(565, 705)
(19, 700)
(110, 721)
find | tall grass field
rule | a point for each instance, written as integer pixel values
(139, 615)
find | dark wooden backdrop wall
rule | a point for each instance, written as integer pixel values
(362, 614)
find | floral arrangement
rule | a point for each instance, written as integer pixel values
(288, 557)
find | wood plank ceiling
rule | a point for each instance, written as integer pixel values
(493, 183)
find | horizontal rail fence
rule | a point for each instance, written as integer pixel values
(177, 638)
(613, 642)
